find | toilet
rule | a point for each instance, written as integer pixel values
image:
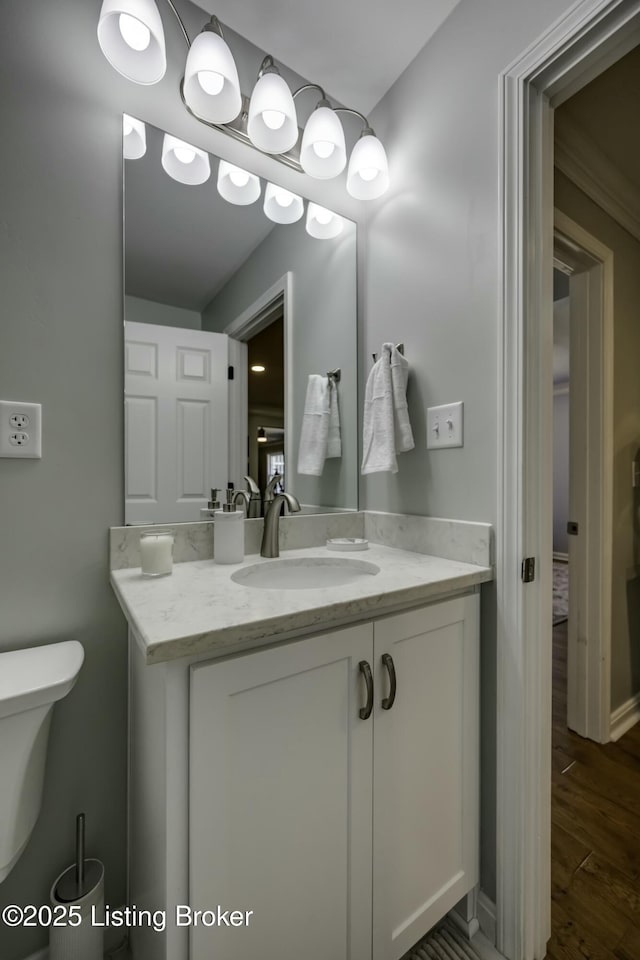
(31, 681)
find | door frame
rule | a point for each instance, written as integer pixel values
(245, 326)
(588, 38)
(591, 473)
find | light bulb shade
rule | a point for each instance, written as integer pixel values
(176, 162)
(323, 224)
(146, 65)
(239, 192)
(210, 55)
(324, 130)
(368, 174)
(134, 138)
(281, 205)
(271, 94)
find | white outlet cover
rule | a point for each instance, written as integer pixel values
(445, 426)
(31, 427)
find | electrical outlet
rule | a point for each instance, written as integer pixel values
(445, 426)
(20, 429)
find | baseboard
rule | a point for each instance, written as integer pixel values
(560, 557)
(487, 916)
(40, 955)
(625, 717)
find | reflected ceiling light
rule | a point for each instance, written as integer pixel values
(184, 162)
(262, 436)
(258, 368)
(272, 125)
(134, 138)
(237, 185)
(368, 174)
(131, 36)
(211, 85)
(323, 224)
(281, 205)
(323, 153)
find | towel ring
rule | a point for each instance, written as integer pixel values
(399, 348)
(335, 375)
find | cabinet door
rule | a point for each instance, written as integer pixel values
(426, 799)
(280, 800)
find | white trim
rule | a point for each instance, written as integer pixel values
(625, 717)
(251, 321)
(560, 389)
(487, 916)
(572, 51)
(582, 161)
(589, 642)
(560, 557)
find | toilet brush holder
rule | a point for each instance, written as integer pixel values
(80, 887)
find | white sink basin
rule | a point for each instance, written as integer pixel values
(308, 573)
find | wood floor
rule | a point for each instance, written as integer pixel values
(595, 837)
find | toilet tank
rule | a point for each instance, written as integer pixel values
(31, 681)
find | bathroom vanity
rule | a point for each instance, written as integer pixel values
(307, 754)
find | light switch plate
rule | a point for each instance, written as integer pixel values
(445, 426)
(20, 429)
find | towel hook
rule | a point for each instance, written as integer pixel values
(399, 348)
(335, 375)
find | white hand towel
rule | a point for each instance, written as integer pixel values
(399, 378)
(314, 435)
(334, 444)
(378, 434)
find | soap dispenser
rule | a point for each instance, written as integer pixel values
(228, 533)
(206, 513)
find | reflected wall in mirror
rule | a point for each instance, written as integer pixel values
(232, 323)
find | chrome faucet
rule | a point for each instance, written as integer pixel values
(254, 508)
(269, 492)
(246, 496)
(271, 532)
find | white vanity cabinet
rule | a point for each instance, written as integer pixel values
(347, 833)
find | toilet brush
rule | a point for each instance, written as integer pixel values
(81, 886)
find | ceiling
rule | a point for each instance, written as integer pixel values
(355, 50)
(182, 243)
(607, 111)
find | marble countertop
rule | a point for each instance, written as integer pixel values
(199, 609)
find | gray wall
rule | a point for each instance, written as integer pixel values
(432, 282)
(625, 620)
(61, 343)
(560, 469)
(139, 310)
(324, 336)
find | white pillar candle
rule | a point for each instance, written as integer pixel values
(156, 557)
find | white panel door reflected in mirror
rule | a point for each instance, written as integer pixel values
(219, 286)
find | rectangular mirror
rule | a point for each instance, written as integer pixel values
(227, 316)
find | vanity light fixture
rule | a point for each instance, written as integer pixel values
(368, 173)
(281, 205)
(258, 368)
(262, 436)
(237, 185)
(184, 162)
(323, 224)
(272, 125)
(131, 37)
(134, 138)
(323, 153)
(211, 85)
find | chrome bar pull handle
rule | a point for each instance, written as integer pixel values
(365, 670)
(387, 662)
